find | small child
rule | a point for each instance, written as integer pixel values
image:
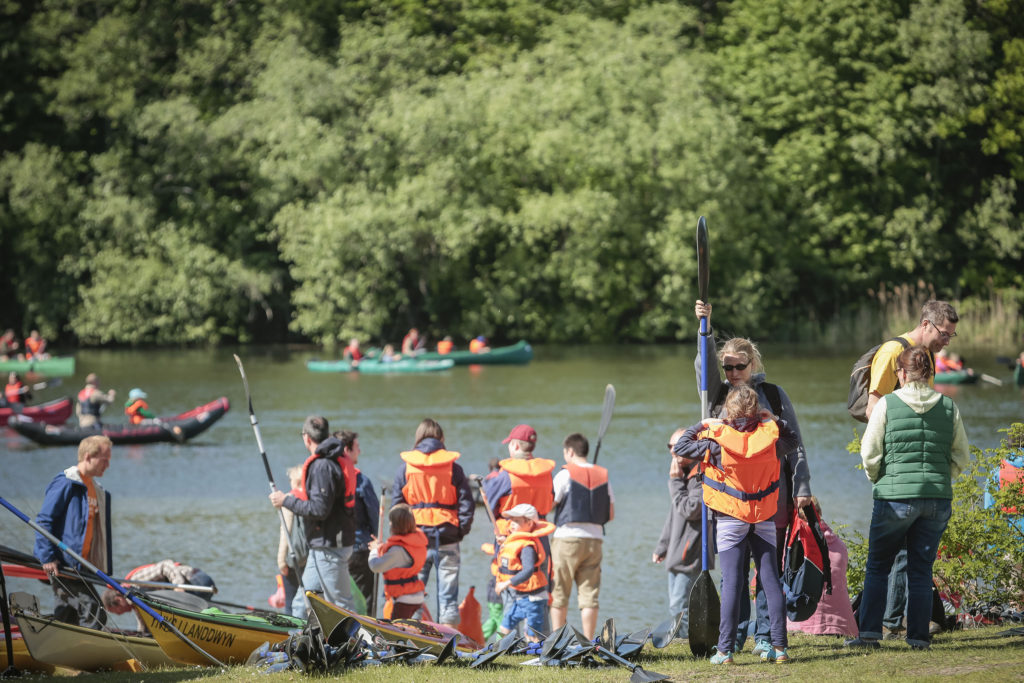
(680, 541)
(740, 467)
(136, 407)
(521, 563)
(400, 560)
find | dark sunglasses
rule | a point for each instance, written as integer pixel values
(739, 366)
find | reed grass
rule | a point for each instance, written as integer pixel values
(980, 654)
(993, 320)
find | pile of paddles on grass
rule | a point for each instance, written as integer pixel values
(351, 644)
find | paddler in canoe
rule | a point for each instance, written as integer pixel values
(16, 392)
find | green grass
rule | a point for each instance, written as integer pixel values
(977, 655)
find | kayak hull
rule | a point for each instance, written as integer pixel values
(371, 366)
(956, 377)
(519, 353)
(177, 429)
(55, 366)
(54, 412)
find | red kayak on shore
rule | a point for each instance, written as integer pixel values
(54, 412)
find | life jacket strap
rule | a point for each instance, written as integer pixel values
(736, 493)
(399, 582)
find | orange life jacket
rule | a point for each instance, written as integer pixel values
(475, 346)
(428, 487)
(406, 580)
(347, 468)
(746, 484)
(133, 410)
(33, 347)
(12, 392)
(531, 483)
(1009, 475)
(510, 562)
(445, 346)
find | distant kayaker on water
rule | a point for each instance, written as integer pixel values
(91, 402)
(8, 345)
(412, 343)
(741, 363)
(16, 394)
(136, 407)
(352, 352)
(35, 347)
(479, 345)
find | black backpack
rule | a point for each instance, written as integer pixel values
(297, 561)
(806, 569)
(860, 380)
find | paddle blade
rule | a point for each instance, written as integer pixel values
(663, 633)
(606, 410)
(607, 639)
(705, 612)
(703, 259)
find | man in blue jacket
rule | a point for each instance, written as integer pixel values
(76, 510)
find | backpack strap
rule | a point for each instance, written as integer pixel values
(771, 392)
(819, 538)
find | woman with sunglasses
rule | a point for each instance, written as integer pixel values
(741, 363)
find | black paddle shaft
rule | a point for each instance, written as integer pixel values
(703, 259)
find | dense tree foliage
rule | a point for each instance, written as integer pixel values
(199, 171)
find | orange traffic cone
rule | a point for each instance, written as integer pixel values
(469, 618)
(277, 599)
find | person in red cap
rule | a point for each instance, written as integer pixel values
(584, 503)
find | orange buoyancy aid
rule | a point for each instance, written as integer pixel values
(13, 392)
(1009, 475)
(531, 483)
(429, 490)
(476, 346)
(406, 580)
(588, 499)
(33, 347)
(133, 410)
(510, 562)
(745, 485)
(445, 346)
(348, 469)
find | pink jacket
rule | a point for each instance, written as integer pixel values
(834, 615)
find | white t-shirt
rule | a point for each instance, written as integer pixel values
(577, 529)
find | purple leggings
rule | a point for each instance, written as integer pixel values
(733, 589)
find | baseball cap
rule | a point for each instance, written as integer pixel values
(137, 393)
(522, 433)
(523, 510)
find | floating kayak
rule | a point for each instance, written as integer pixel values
(54, 412)
(372, 366)
(55, 366)
(956, 377)
(519, 353)
(179, 428)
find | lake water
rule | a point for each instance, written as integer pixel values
(205, 503)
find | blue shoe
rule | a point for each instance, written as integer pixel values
(866, 643)
(720, 658)
(761, 646)
(775, 656)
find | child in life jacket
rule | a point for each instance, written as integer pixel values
(400, 560)
(521, 569)
(739, 460)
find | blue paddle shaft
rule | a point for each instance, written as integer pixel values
(702, 344)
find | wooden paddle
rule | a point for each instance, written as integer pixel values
(705, 608)
(606, 417)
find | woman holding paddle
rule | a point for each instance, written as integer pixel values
(741, 363)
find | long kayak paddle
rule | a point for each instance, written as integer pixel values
(705, 607)
(266, 464)
(606, 417)
(110, 582)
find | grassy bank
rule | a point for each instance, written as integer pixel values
(980, 654)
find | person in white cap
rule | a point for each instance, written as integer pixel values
(136, 407)
(521, 563)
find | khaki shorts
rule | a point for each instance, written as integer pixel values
(579, 560)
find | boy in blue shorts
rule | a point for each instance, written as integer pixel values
(522, 565)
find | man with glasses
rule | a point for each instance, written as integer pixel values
(935, 330)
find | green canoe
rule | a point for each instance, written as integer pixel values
(517, 354)
(372, 366)
(956, 377)
(55, 366)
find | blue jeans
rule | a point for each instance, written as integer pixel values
(896, 597)
(326, 573)
(449, 560)
(679, 586)
(919, 524)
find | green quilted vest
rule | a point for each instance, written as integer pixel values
(918, 450)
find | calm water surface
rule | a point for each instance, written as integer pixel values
(205, 503)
